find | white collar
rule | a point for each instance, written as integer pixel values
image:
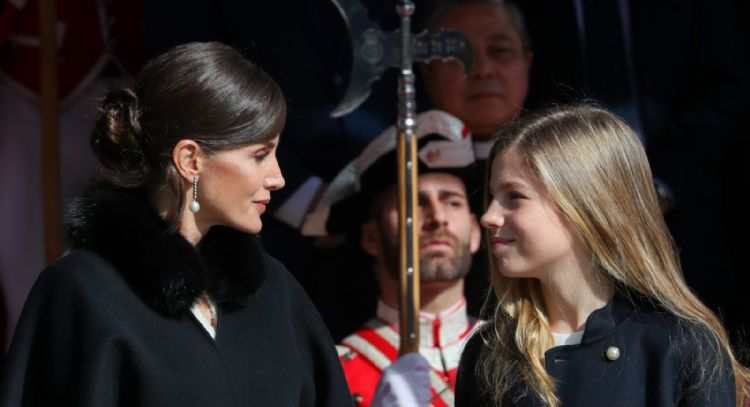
(435, 330)
(482, 148)
(573, 338)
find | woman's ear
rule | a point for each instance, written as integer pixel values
(187, 157)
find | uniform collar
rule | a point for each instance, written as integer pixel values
(435, 330)
(482, 148)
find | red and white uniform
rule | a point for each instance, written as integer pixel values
(367, 352)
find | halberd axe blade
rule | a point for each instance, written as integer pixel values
(374, 51)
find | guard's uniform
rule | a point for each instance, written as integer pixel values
(366, 353)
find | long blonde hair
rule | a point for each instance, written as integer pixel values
(595, 170)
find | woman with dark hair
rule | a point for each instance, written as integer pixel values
(166, 297)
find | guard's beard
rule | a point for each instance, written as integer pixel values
(433, 267)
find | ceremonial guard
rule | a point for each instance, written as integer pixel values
(448, 236)
(367, 352)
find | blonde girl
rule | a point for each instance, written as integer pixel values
(590, 308)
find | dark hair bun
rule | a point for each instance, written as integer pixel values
(117, 140)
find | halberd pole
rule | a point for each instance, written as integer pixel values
(48, 107)
(407, 190)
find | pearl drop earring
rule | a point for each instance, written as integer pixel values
(195, 206)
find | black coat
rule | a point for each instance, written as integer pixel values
(658, 365)
(110, 323)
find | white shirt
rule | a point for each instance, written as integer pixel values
(206, 322)
(573, 338)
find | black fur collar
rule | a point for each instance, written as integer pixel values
(164, 268)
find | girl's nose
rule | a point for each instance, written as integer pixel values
(493, 217)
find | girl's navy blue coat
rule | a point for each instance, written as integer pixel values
(660, 364)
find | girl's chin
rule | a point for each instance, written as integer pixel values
(514, 273)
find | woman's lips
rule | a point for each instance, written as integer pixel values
(262, 205)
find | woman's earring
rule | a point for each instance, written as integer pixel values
(195, 206)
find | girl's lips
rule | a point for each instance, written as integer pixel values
(500, 242)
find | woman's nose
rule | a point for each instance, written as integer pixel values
(275, 180)
(275, 183)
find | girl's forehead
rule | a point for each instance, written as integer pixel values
(510, 162)
(510, 169)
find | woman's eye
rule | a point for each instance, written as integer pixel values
(260, 157)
